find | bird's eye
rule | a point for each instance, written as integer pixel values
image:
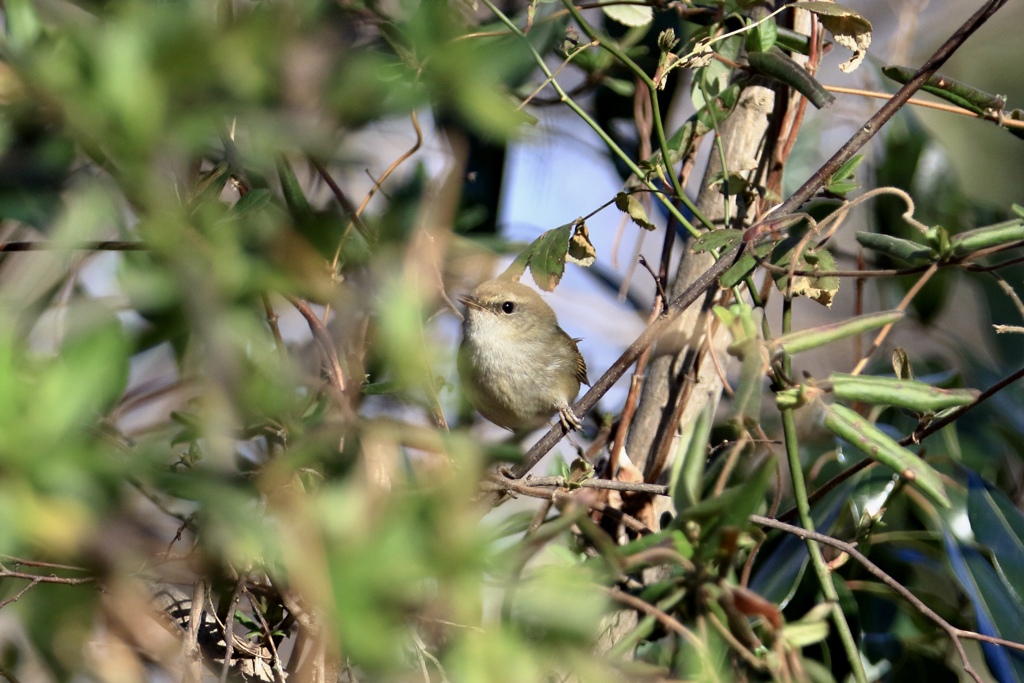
(508, 307)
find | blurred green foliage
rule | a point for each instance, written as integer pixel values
(217, 383)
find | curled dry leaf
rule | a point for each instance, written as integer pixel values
(850, 29)
(581, 249)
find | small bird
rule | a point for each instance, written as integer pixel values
(517, 365)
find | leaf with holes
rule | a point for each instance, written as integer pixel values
(581, 249)
(850, 29)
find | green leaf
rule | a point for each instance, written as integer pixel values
(762, 37)
(841, 181)
(729, 509)
(545, 257)
(294, 197)
(745, 264)
(629, 15)
(745, 408)
(999, 526)
(723, 238)
(731, 184)
(252, 201)
(688, 468)
(879, 446)
(619, 86)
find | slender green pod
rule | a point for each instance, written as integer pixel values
(908, 251)
(990, 236)
(904, 393)
(812, 338)
(878, 445)
(777, 64)
(960, 94)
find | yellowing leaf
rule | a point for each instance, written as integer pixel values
(629, 204)
(850, 29)
(581, 249)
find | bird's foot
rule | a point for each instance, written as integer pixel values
(568, 418)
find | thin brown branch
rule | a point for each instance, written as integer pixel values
(666, 619)
(17, 596)
(502, 485)
(39, 578)
(746, 655)
(51, 245)
(632, 399)
(884, 332)
(343, 200)
(950, 108)
(964, 263)
(607, 484)
(272, 323)
(22, 562)
(323, 339)
(268, 637)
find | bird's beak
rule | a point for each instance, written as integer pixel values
(470, 302)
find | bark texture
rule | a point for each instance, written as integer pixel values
(743, 138)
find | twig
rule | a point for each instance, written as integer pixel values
(500, 484)
(193, 666)
(632, 398)
(37, 578)
(229, 626)
(323, 338)
(19, 561)
(52, 245)
(607, 484)
(274, 328)
(343, 200)
(665, 618)
(279, 674)
(554, 74)
(14, 598)
(950, 108)
(746, 655)
(884, 332)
